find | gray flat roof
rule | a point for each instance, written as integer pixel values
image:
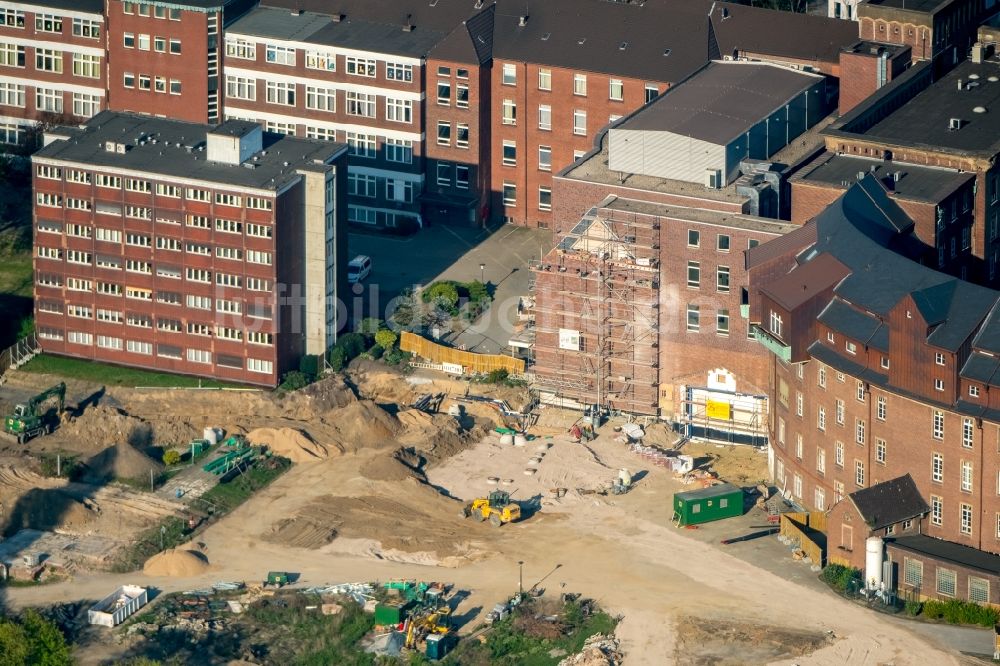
(915, 182)
(731, 220)
(350, 33)
(924, 120)
(722, 101)
(593, 168)
(91, 6)
(169, 155)
(909, 5)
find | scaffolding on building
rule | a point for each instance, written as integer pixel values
(724, 416)
(597, 313)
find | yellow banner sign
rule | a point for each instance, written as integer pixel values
(717, 410)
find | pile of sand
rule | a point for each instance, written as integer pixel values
(176, 564)
(121, 461)
(388, 468)
(290, 443)
(362, 424)
(414, 418)
(45, 509)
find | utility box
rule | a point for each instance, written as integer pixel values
(703, 506)
(391, 614)
(439, 645)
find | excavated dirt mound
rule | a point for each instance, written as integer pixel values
(387, 468)
(176, 564)
(45, 509)
(290, 443)
(362, 424)
(120, 461)
(302, 532)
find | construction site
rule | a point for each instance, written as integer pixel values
(380, 474)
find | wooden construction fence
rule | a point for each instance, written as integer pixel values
(809, 530)
(469, 361)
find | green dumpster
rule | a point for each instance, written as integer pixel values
(391, 613)
(277, 578)
(703, 506)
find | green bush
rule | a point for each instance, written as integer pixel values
(497, 376)
(385, 338)
(954, 611)
(369, 326)
(445, 293)
(376, 352)
(839, 577)
(337, 359)
(294, 380)
(353, 344)
(477, 291)
(309, 365)
(171, 457)
(913, 608)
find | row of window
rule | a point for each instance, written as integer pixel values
(14, 18)
(326, 61)
(51, 60)
(158, 84)
(946, 580)
(136, 320)
(359, 144)
(461, 94)
(50, 100)
(143, 42)
(510, 195)
(83, 257)
(158, 11)
(722, 273)
(363, 185)
(223, 306)
(446, 171)
(509, 117)
(616, 88)
(139, 185)
(693, 320)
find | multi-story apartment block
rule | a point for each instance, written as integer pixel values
(880, 366)
(165, 58)
(339, 78)
(213, 251)
(53, 64)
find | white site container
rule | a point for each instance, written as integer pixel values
(210, 435)
(117, 606)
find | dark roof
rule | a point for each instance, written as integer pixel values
(441, 16)
(351, 33)
(889, 502)
(782, 34)
(981, 368)
(849, 321)
(234, 127)
(924, 121)
(90, 6)
(805, 282)
(840, 363)
(722, 101)
(170, 154)
(471, 42)
(706, 493)
(915, 182)
(949, 552)
(794, 241)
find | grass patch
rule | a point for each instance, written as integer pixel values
(114, 375)
(227, 496)
(147, 544)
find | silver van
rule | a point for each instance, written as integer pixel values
(359, 268)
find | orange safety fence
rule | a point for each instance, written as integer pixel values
(469, 361)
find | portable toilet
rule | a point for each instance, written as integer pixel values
(703, 506)
(438, 646)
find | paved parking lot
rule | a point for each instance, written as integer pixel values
(453, 253)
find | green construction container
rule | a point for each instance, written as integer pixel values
(277, 578)
(439, 645)
(703, 506)
(391, 613)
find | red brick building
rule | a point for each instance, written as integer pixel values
(931, 28)
(210, 251)
(880, 367)
(867, 66)
(53, 64)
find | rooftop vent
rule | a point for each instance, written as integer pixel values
(973, 77)
(955, 124)
(522, 20)
(337, 18)
(725, 13)
(992, 79)
(434, 3)
(896, 175)
(961, 84)
(979, 109)
(546, 36)
(666, 52)
(296, 11)
(581, 41)
(623, 46)
(478, 5)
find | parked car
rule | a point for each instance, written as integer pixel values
(359, 268)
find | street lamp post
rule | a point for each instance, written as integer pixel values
(520, 578)
(482, 273)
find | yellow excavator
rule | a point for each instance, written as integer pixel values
(497, 507)
(420, 626)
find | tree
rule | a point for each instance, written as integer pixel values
(385, 339)
(171, 457)
(444, 293)
(13, 644)
(369, 326)
(295, 379)
(337, 359)
(47, 645)
(26, 327)
(404, 311)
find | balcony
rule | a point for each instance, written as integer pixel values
(774, 345)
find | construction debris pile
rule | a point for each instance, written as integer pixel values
(598, 650)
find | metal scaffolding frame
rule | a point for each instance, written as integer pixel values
(606, 273)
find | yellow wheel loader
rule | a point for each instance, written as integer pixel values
(497, 507)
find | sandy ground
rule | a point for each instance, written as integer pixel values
(367, 514)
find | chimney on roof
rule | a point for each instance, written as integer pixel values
(408, 27)
(961, 85)
(337, 17)
(296, 11)
(522, 20)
